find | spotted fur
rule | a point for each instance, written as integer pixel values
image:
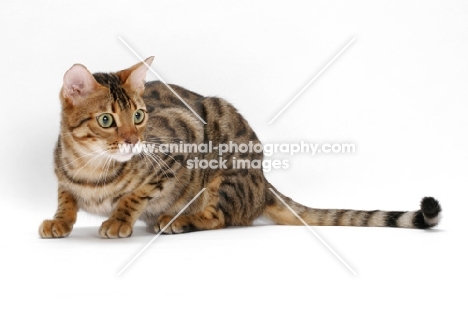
(95, 176)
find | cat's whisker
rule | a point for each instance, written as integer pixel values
(152, 157)
(98, 165)
(89, 161)
(159, 160)
(103, 174)
(79, 158)
(168, 167)
(86, 164)
(148, 158)
(106, 172)
(166, 154)
(102, 170)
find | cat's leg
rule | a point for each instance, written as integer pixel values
(64, 219)
(128, 209)
(205, 217)
(211, 217)
(234, 198)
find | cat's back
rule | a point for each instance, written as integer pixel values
(158, 95)
(177, 112)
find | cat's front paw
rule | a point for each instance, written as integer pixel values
(54, 229)
(113, 229)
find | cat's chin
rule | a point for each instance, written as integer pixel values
(123, 157)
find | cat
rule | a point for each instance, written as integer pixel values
(103, 112)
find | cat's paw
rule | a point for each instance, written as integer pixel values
(179, 225)
(113, 229)
(54, 229)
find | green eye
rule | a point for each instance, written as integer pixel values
(105, 120)
(139, 116)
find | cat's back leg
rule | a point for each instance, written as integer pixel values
(233, 198)
(206, 217)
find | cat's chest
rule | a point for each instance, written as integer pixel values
(96, 200)
(97, 207)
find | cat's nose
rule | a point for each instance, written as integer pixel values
(132, 140)
(129, 137)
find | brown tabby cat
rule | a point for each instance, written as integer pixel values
(104, 111)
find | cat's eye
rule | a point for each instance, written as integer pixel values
(139, 116)
(105, 120)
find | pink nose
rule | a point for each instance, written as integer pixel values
(129, 137)
(133, 139)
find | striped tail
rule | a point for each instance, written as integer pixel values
(278, 210)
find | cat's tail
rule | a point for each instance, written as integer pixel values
(284, 211)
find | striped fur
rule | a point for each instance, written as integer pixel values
(95, 176)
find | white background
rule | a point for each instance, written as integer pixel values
(399, 92)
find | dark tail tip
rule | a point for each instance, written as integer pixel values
(430, 209)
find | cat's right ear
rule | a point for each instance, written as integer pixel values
(78, 82)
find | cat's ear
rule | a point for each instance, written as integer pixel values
(135, 76)
(78, 82)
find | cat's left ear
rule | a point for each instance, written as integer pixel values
(134, 77)
(78, 82)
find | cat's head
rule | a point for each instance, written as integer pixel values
(104, 112)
